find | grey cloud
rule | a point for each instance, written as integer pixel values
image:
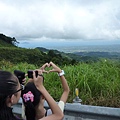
(65, 19)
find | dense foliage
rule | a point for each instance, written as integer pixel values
(32, 56)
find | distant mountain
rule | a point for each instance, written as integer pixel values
(110, 55)
(72, 56)
(82, 53)
(56, 52)
(10, 52)
(43, 49)
(86, 56)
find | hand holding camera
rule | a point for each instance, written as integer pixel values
(30, 73)
(21, 75)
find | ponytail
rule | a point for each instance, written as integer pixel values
(30, 111)
(31, 98)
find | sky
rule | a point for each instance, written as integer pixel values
(61, 22)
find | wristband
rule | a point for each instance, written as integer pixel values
(40, 75)
(61, 73)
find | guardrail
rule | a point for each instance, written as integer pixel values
(76, 111)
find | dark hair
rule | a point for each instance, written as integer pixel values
(30, 105)
(8, 85)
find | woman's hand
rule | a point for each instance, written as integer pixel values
(51, 64)
(65, 86)
(38, 81)
(54, 68)
(43, 68)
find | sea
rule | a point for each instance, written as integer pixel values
(71, 48)
(87, 48)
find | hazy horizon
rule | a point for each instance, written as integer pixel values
(70, 47)
(52, 44)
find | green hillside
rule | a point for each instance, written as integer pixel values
(10, 52)
(6, 41)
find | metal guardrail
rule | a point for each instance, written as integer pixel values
(76, 111)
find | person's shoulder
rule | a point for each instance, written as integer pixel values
(61, 104)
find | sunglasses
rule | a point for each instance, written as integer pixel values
(21, 88)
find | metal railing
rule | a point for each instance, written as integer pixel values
(76, 111)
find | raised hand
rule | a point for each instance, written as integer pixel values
(43, 68)
(38, 81)
(54, 68)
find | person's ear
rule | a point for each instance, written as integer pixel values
(12, 99)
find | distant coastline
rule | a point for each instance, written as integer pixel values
(78, 48)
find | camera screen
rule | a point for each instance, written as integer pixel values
(30, 73)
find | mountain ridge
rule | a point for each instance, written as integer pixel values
(87, 55)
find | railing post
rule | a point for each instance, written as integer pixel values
(77, 99)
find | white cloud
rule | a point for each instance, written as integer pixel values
(60, 20)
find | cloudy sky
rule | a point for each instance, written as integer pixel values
(61, 21)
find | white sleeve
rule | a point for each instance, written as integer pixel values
(61, 104)
(49, 112)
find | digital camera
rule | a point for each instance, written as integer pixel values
(20, 75)
(30, 73)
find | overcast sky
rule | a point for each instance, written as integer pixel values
(61, 20)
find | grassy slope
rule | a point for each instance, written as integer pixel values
(98, 83)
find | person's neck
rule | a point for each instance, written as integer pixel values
(8, 103)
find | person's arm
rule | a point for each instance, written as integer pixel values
(66, 89)
(65, 86)
(56, 112)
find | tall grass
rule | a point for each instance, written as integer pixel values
(98, 83)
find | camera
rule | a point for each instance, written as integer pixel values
(30, 73)
(20, 75)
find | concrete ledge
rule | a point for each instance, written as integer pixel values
(76, 111)
(92, 112)
(86, 112)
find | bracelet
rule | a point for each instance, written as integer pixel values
(61, 73)
(40, 75)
